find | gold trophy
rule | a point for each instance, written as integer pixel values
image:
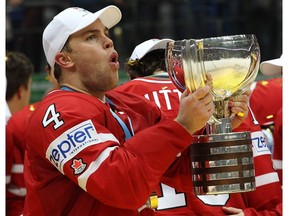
(222, 160)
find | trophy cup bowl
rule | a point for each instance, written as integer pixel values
(222, 160)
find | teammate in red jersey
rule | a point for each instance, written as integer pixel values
(82, 157)
(19, 70)
(150, 78)
(15, 137)
(266, 103)
(278, 143)
(146, 68)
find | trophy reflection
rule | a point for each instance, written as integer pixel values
(222, 160)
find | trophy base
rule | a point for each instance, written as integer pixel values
(222, 163)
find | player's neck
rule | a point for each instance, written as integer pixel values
(74, 88)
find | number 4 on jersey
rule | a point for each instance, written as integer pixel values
(51, 115)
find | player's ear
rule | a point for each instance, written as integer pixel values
(64, 60)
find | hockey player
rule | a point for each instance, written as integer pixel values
(266, 102)
(94, 152)
(19, 70)
(146, 68)
(15, 137)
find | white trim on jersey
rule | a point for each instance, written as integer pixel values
(266, 179)
(17, 168)
(8, 179)
(277, 164)
(82, 179)
(153, 81)
(18, 191)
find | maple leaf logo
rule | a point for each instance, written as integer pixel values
(78, 166)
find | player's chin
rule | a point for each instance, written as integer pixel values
(114, 66)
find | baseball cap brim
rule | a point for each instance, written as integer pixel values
(153, 44)
(271, 67)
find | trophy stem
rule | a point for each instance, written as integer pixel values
(220, 122)
(222, 126)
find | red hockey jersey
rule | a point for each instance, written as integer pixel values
(176, 202)
(77, 161)
(266, 103)
(278, 144)
(266, 100)
(158, 89)
(15, 137)
(182, 201)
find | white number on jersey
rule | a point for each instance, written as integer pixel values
(213, 200)
(52, 116)
(170, 199)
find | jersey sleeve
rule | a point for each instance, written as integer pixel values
(266, 178)
(85, 143)
(278, 145)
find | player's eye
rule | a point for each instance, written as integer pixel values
(91, 37)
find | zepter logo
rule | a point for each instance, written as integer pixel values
(260, 147)
(71, 142)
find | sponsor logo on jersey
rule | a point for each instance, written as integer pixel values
(71, 142)
(260, 146)
(78, 166)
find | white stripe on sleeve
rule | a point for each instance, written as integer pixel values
(82, 179)
(266, 179)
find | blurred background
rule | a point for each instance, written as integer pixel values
(146, 19)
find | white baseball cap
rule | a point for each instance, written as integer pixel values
(147, 46)
(272, 67)
(72, 20)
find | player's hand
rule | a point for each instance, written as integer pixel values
(233, 211)
(239, 106)
(195, 109)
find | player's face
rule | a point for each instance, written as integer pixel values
(95, 58)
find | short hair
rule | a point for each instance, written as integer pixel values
(147, 65)
(19, 70)
(57, 71)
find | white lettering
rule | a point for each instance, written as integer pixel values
(73, 141)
